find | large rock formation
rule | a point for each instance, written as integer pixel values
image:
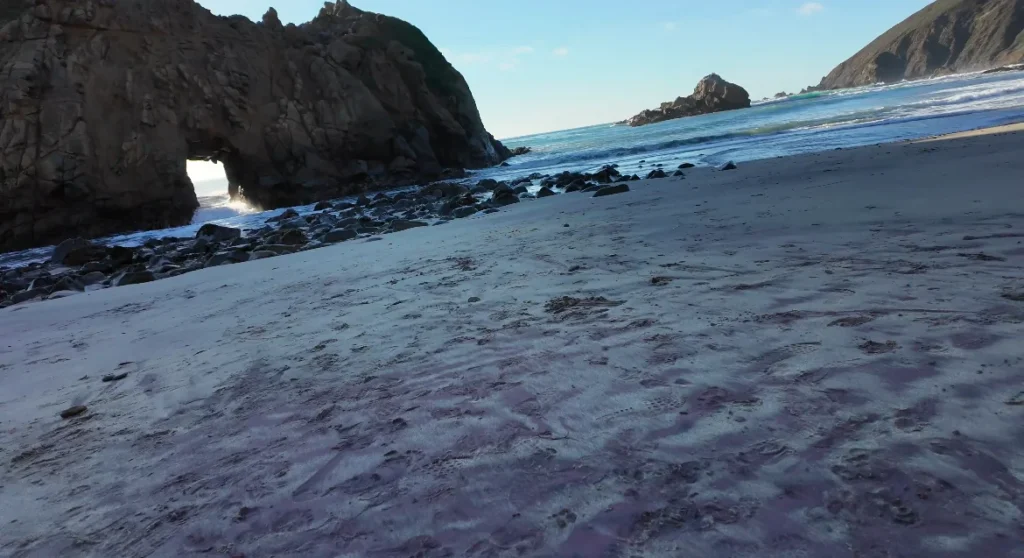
(947, 36)
(712, 94)
(103, 101)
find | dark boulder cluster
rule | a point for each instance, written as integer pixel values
(78, 265)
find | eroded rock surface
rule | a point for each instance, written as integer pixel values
(102, 103)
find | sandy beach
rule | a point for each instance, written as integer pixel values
(812, 356)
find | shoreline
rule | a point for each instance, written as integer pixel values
(817, 355)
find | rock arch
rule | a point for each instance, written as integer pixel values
(102, 102)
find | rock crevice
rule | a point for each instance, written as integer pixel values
(103, 102)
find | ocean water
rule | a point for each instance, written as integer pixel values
(818, 121)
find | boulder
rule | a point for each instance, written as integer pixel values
(104, 101)
(68, 283)
(727, 166)
(545, 192)
(216, 233)
(712, 94)
(657, 173)
(606, 175)
(403, 225)
(463, 212)
(76, 252)
(611, 190)
(134, 278)
(120, 255)
(293, 237)
(340, 235)
(505, 198)
(284, 216)
(92, 278)
(227, 257)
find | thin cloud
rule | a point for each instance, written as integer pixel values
(561, 51)
(523, 50)
(669, 26)
(810, 8)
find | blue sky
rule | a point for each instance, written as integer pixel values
(542, 65)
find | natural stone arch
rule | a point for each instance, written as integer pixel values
(103, 102)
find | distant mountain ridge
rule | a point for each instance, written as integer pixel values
(945, 37)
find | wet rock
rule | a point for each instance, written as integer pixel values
(340, 235)
(727, 166)
(114, 377)
(76, 252)
(294, 223)
(506, 198)
(611, 190)
(686, 166)
(576, 185)
(294, 237)
(658, 173)
(120, 255)
(678, 173)
(402, 225)
(284, 216)
(68, 283)
(462, 212)
(262, 255)
(62, 250)
(320, 206)
(61, 294)
(502, 189)
(217, 233)
(521, 190)
(134, 278)
(487, 184)
(227, 257)
(606, 175)
(545, 192)
(43, 282)
(30, 294)
(92, 278)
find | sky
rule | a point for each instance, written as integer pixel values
(542, 65)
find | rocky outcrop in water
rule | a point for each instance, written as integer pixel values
(947, 36)
(103, 101)
(712, 94)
